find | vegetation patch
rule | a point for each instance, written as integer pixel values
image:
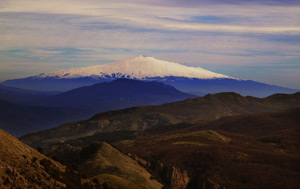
(126, 143)
(112, 181)
(207, 134)
(189, 143)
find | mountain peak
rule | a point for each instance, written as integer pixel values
(141, 59)
(138, 67)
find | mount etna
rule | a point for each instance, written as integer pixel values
(195, 80)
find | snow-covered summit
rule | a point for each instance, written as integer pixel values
(138, 67)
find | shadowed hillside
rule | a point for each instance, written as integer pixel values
(204, 109)
(21, 95)
(228, 152)
(247, 151)
(217, 141)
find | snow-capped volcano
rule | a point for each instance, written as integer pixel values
(194, 80)
(138, 67)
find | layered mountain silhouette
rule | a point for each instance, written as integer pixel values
(207, 108)
(117, 94)
(20, 119)
(21, 95)
(163, 138)
(194, 80)
(40, 111)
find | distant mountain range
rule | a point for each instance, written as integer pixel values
(117, 94)
(21, 95)
(41, 111)
(194, 80)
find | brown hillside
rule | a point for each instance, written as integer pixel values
(98, 160)
(23, 167)
(246, 151)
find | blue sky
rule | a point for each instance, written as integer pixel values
(258, 40)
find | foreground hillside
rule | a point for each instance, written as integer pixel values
(102, 161)
(24, 167)
(217, 141)
(127, 121)
(101, 164)
(246, 151)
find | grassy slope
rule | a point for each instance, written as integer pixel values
(98, 159)
(107, 159)
(116, 182)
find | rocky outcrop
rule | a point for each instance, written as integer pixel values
(174, 177)
(24, 167)
(179, 179)
(210, 184)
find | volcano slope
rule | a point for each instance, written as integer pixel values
(195, 80)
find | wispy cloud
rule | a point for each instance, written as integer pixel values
(216, 32)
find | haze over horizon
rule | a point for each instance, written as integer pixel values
(257, 40)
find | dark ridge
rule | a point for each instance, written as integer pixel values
(118, 94)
